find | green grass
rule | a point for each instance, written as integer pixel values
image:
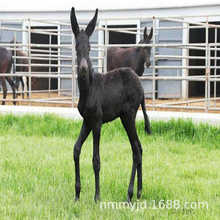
(180, 163)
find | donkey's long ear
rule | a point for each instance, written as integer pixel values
(151, 34)
(91, 26)
(74, 23)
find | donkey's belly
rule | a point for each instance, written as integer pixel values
(109, 117)
(111, 112)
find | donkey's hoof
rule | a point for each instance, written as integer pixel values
(148, 130)
(139, 194)
(129, 198)
(97, 198)
(76, 198)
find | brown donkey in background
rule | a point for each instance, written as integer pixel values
(134, 57)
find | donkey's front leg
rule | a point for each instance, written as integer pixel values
(85, 130)
(96, 159)
(11, 83)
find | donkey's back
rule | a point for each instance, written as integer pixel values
(117, 92)
(120, 57)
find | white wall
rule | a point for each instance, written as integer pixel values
(131, 13)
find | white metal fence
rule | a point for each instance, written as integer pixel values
(59, 60)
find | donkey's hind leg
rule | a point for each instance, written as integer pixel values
(11, 83)
(128, 121)
(22, 86)
(4, 88)
(27, 83)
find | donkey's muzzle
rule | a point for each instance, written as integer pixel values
(83, 66)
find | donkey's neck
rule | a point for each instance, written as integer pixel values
(140, 60)
(84, 84)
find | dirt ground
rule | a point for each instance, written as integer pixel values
(66, 101)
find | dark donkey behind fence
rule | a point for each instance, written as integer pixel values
(134, 57)
(6, 61)
(103, 98)
(21, 63)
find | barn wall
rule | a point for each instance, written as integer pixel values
(169, 88)
(6, 35)
(65, 40)
(133, 13)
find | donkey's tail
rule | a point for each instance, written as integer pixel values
(146, 119)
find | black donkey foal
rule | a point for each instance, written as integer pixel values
(103, 98)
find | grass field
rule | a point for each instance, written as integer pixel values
(181, 171)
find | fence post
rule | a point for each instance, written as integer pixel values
(154, 64)
(29, 60)
(106, 47)
(207, 69)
